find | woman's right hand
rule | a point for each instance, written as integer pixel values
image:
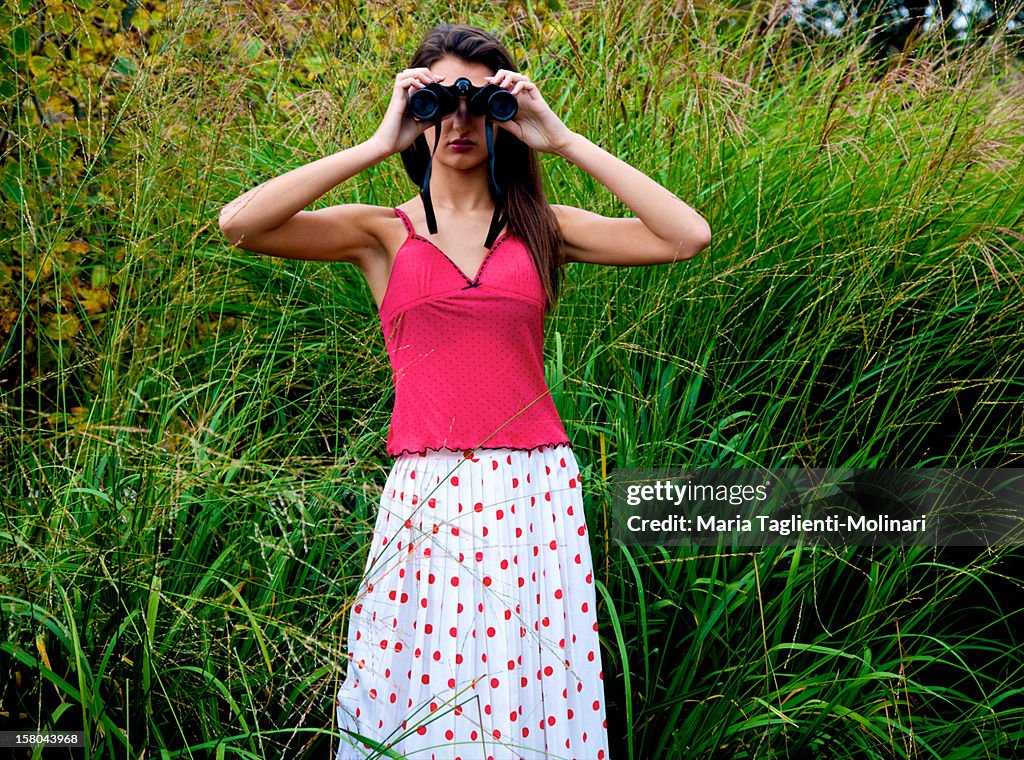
(398, 129)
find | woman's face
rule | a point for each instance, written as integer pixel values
(461, 125)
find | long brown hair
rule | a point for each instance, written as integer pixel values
(516, 167)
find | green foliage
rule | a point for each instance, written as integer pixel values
(192, 436)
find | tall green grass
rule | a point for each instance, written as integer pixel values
(192, 478)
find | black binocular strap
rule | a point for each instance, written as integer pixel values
(428, 207)
(497, 220)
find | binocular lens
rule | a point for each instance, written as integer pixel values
(502, 106)
(423, 104)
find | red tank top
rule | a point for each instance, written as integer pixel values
(467, 354)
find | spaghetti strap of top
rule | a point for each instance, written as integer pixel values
(405, 220)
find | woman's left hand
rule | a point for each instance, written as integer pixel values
(535, 123)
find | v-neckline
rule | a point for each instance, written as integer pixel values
(475, 281)
(476, 277)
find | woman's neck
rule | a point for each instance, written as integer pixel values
(460, 190)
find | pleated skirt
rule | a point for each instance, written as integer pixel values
(474, 632)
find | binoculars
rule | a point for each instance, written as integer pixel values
(436, 101)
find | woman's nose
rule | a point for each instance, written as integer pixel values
(462, 114)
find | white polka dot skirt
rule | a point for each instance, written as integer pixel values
(474, 632)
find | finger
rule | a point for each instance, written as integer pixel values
(422, 75)
(523, 85)
(501, 77)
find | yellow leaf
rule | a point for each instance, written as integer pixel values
(79, 246)
(141, 20)
(39, 64)
(62, 326)
(33, 273)
(94, 299)
(41, 647)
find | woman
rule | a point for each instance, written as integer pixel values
(474, 633)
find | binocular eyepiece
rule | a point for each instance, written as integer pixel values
(436, 101)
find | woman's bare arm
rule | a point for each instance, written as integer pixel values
(270, 218)
(664, 230)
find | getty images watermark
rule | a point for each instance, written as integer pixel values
(839, 507)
